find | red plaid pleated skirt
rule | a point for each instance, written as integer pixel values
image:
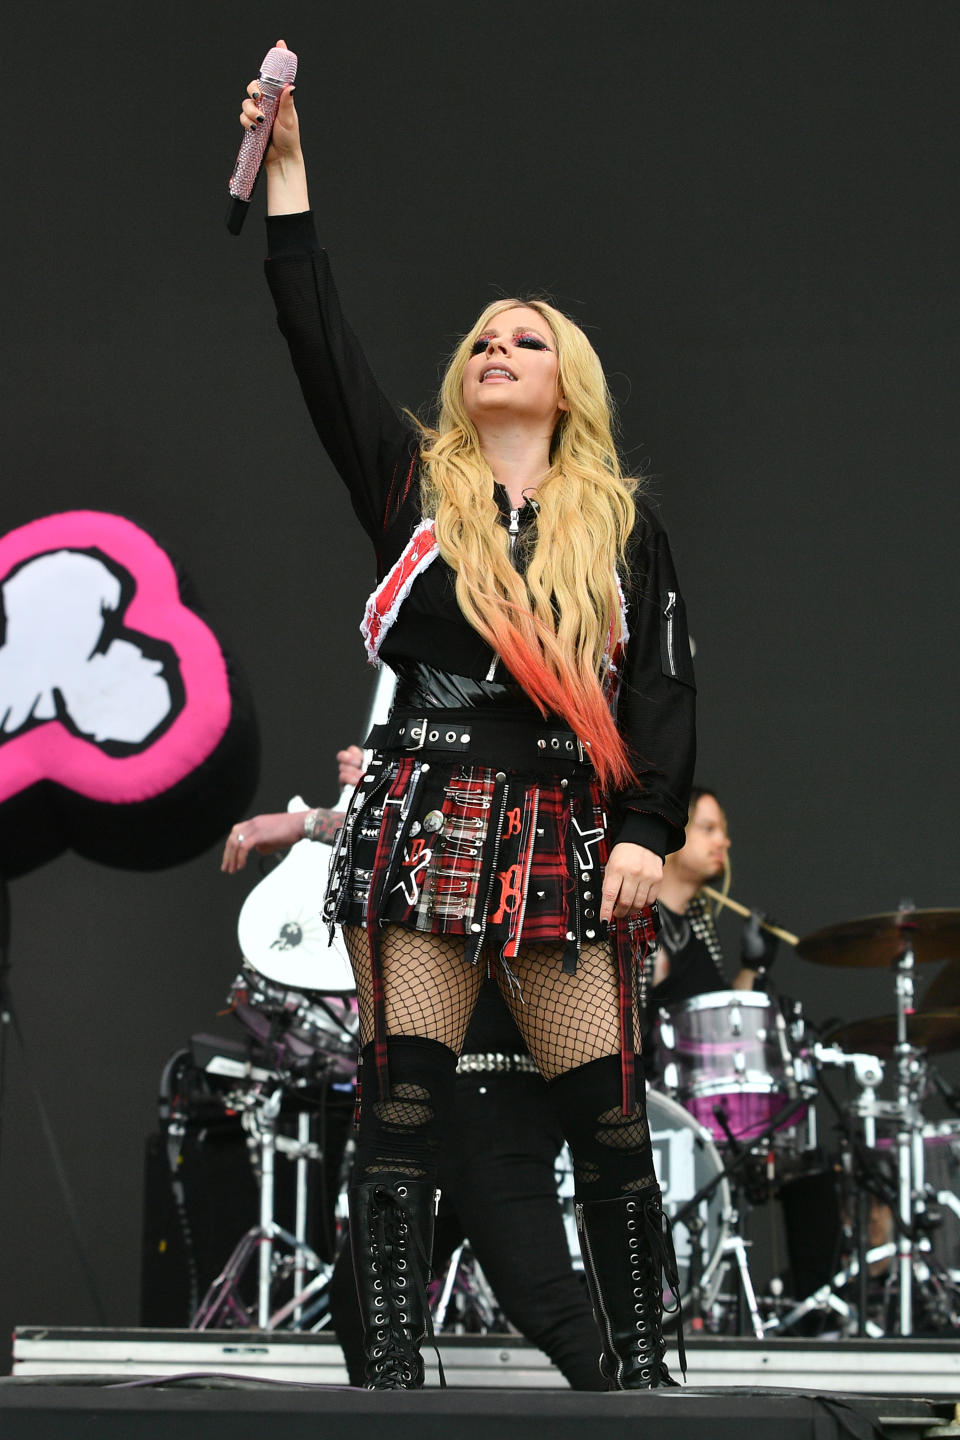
(503, 858)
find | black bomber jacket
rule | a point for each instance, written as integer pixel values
(375, 449)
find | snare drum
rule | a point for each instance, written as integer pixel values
(686, 1160)
(725, 1051)
(301, 1032)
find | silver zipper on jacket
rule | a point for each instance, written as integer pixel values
(668, 612)
(513, 530)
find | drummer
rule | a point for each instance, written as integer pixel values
(689, 960)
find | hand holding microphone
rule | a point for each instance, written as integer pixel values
(267, 113)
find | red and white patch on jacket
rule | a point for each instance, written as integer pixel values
(383, 606)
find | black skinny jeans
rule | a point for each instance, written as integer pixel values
(498, 1188)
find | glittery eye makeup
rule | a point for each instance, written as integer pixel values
(525, 340)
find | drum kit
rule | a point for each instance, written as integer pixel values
(733, 1121)
(294, 998)
(744, 1078)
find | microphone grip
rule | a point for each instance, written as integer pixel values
(249, 159)
(236, 214)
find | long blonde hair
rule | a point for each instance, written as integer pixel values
(552, 628)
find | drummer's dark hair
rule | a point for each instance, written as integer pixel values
(697, 793)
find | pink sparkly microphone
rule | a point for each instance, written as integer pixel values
(279, 68)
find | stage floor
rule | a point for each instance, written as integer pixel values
(229, 1408)
(928, 1368)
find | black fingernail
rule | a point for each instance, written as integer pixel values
(260, 119)
(255, 95)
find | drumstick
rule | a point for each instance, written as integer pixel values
(735, 905)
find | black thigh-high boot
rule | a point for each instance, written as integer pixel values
(624, 1235)
(392, 1199)
(627, 1254)
(391, 1235)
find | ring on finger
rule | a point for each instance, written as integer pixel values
(239, 839)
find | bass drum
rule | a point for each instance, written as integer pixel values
(686, 1160)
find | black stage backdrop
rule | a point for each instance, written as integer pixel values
(753, 209)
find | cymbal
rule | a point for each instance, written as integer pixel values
(881, 939)
(935, 1031)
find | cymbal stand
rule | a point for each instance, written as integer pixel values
(907, 1195)
(688, 1214)
(300, 1217)
(222, 1301)
(909, 1143)
(296, 1307)
(826, 1298)
(735, 1243)
(868, 1074)
(466, 1287)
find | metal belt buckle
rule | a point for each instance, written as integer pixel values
(583, 751)
(411, 731)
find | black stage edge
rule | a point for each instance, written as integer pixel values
(220, 1408)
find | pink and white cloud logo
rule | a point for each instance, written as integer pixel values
(110, 686)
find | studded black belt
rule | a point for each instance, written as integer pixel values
(513, 743)
(496, 1064)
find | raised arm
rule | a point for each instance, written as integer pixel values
(372, 445)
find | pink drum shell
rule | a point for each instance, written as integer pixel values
(721, 1050)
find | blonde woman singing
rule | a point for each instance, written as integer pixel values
(532, 776)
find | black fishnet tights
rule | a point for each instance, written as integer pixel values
(429, 988)
(566, 1020)
(571, 1024)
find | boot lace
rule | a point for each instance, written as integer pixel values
(395, 1355)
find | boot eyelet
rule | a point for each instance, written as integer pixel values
(401, 1282)
(401, 1264)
